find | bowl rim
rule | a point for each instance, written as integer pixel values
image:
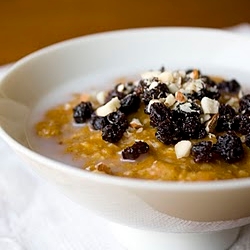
(183, 186)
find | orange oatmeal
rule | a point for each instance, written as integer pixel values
(168, 125)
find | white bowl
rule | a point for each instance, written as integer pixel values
(137, 207)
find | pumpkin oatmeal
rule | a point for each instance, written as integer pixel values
(168, 125)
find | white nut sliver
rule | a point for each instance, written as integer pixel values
(193, 86)
(109, 107)
(120, 87)
(170, 100)
(101, 97)
(166, 76)
(135, 123)
(209, 106)
(183, 148)
(173, 88)
(150, 74)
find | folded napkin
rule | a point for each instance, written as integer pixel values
(35, 216)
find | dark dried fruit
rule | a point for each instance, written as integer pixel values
(168, 132)
(118, 118)
(82, 112)
(202, 151)
(160, 91)
(191, 127)
(159, 112)
(225, 121)
(98, 122)
(244, 124)
(229, 147)
(130, 103)
(117, 124)
(112, 133)
(245, 104)
(133, 152)
(196, 95)
(232, 87)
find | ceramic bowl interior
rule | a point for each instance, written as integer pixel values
(92, 62)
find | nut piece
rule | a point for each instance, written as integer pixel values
(101, 97)
(135, 123)
(183, 148)
(109, 107)
(166, 76)
(209, 106)
(180, 97)
(170, 100)
(194, 74)
(211, 124)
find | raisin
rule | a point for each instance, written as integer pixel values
(130, 103)
(160, 91)
(247, 140)
(202, 151)
(244, 124)
(82, 112)
(232, 87)
(225, 121)
(168, 132)
(112, 133)
(118, 118)
(201, 133)
(117, 124)
(133, 152)
(190, 127)
(229, 147)
(98, 122)
(245, 104)
(196, 95)
(158, 113)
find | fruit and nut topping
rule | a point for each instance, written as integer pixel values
(167, 123)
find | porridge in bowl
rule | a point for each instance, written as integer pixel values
(167, 125)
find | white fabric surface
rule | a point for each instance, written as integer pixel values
(35, 216)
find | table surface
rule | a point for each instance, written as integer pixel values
(27, 25)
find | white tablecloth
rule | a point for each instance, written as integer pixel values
(35, 216)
